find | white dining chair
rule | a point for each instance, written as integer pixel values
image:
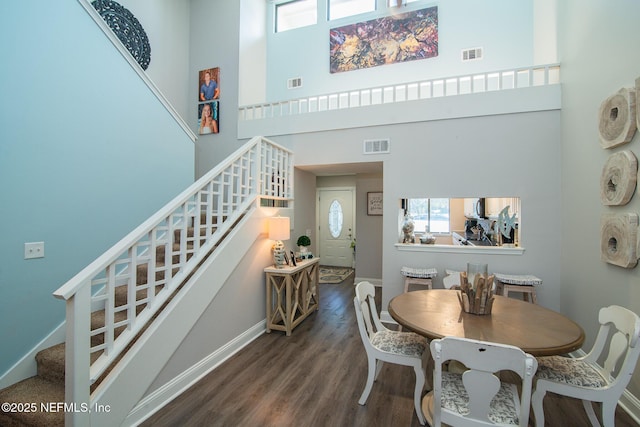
(451, 280)
(584, 378)
(477, 396)
(384, 345)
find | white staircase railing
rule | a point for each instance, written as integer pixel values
(133, 279)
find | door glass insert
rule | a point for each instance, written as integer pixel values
(335, 219)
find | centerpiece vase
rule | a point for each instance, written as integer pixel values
(476, 297)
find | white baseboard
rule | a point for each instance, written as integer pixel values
(628, 402)
(631, 405)
(374, 282)
(27, 367)
(165, 394)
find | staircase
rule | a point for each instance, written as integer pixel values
(141, 297)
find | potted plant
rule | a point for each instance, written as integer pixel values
(303, 243)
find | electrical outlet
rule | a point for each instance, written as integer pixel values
(34, 250)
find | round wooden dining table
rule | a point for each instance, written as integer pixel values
(536, 330)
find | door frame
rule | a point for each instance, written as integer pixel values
(353, 190)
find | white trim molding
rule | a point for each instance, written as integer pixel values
(155, 401)
(454, 249)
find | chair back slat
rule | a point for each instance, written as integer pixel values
(624, 320)
(364, 299)
(483, 361)
(617, 349)
(481, 388)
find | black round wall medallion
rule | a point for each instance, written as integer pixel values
(127, 28)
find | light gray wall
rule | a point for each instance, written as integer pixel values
(505, 155)
(304, 210)
(238, 306)
(369, 229)
(595, 65)
(512, 154)
(87, 153)
(214, 42)
(504, 28)
(253, 51)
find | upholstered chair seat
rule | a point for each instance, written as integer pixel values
(569, 371)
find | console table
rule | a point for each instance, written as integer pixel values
(292, 294)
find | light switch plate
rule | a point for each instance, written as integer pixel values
(34, 250)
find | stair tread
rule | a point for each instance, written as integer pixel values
(34, 390)
(51, 365)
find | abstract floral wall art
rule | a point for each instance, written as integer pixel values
(392, 39)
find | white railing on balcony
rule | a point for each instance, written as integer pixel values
(541, 75)
(133, 279)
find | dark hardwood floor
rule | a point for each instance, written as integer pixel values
(314, 378)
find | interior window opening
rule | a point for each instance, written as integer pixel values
(429, 215)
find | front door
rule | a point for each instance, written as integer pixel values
(336, 223)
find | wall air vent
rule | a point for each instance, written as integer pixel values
(294, 83)
(376, 146)
(472, 54)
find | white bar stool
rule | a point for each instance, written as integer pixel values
(418, 276)
(525, 284)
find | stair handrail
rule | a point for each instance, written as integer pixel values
(71, 287)
(210, 206)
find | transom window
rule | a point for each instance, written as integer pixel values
(398, 3)
(431, 215)
(343, 8)
(296, 14)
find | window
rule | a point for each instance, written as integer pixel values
(343, 8)
(431, 215)
(398, 3)
(335, 219)
(296, 14)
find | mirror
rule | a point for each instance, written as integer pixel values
(469, 221)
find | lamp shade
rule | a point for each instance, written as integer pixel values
(279, 228)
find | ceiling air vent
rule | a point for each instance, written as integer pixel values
(472, 54)
(294, 83)
(376, 146)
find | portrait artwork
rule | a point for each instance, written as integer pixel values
(208, 117)
(208, 101)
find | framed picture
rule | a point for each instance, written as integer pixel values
(208, 117)
(374, 203)
(209, 84)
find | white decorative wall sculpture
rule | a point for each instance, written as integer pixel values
(618, 179)
(616, 118)
(619, 239)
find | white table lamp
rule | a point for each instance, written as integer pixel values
(279, 230)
